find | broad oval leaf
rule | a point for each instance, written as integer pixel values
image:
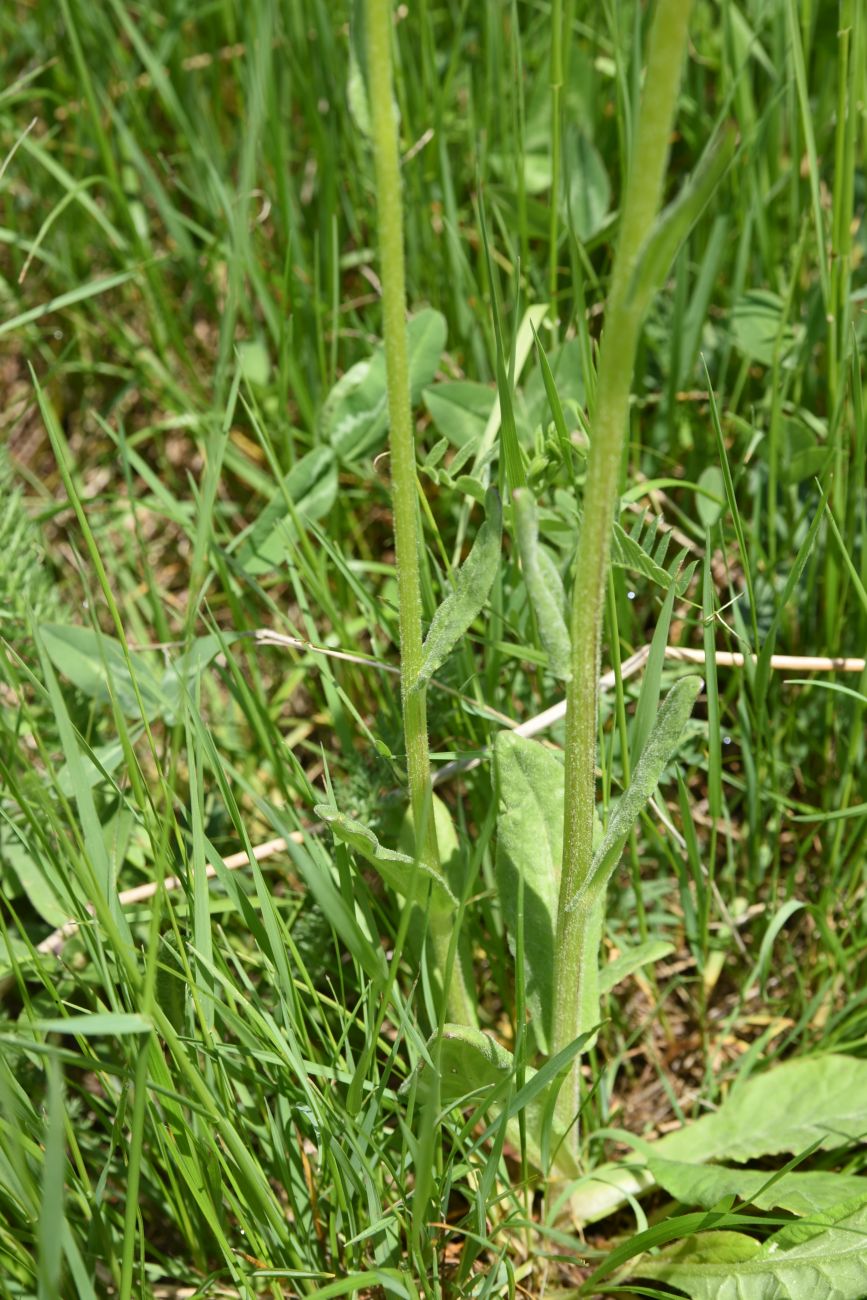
(823, 1258)
(311, 486)
(474, 1069)
(396, 868)
(472, 1065)
(460, 409)
(448, 845)
(758, 327)
(93, 662)
(472, 585)
(820, 1099)
(544, 585)
(589, 196)
(354, 416)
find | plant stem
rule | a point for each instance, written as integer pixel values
(577, 941)
(556, 88)
(386, 158)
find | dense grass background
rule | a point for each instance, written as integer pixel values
(187, 268)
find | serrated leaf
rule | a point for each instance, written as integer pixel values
(472, 585)
(396, 868)
(824, 1258)
(643, 954)
(529, 784)
(544, 586)
(655, 757)
(675, 222)
(788, 1109)
(354, 416)
(813, 1192)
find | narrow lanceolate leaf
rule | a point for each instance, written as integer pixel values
(820, 1258)
(544, 585)
(643, 954)
(655, 757)
(648, 700)
(395, 868)
(529, 781)
(675, 222)
(465, 601)
(512, 461)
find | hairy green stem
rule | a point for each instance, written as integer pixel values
(556, 88)
(460, 1005)
(577, 931)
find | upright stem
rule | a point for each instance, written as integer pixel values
(403, 474)
(577, 930)
(556, 88)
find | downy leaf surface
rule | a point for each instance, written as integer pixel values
(472, 585)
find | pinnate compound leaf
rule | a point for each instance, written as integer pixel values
(544, 585)
(395, 868)
(354, 417)
(788, 1109)
(813, 1192)
(823, 1258)
(643, 551)
(472, 585)
(655, 757)
(529, 782)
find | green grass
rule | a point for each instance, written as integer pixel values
(192, 212)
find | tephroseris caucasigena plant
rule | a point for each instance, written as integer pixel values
(563, 966)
